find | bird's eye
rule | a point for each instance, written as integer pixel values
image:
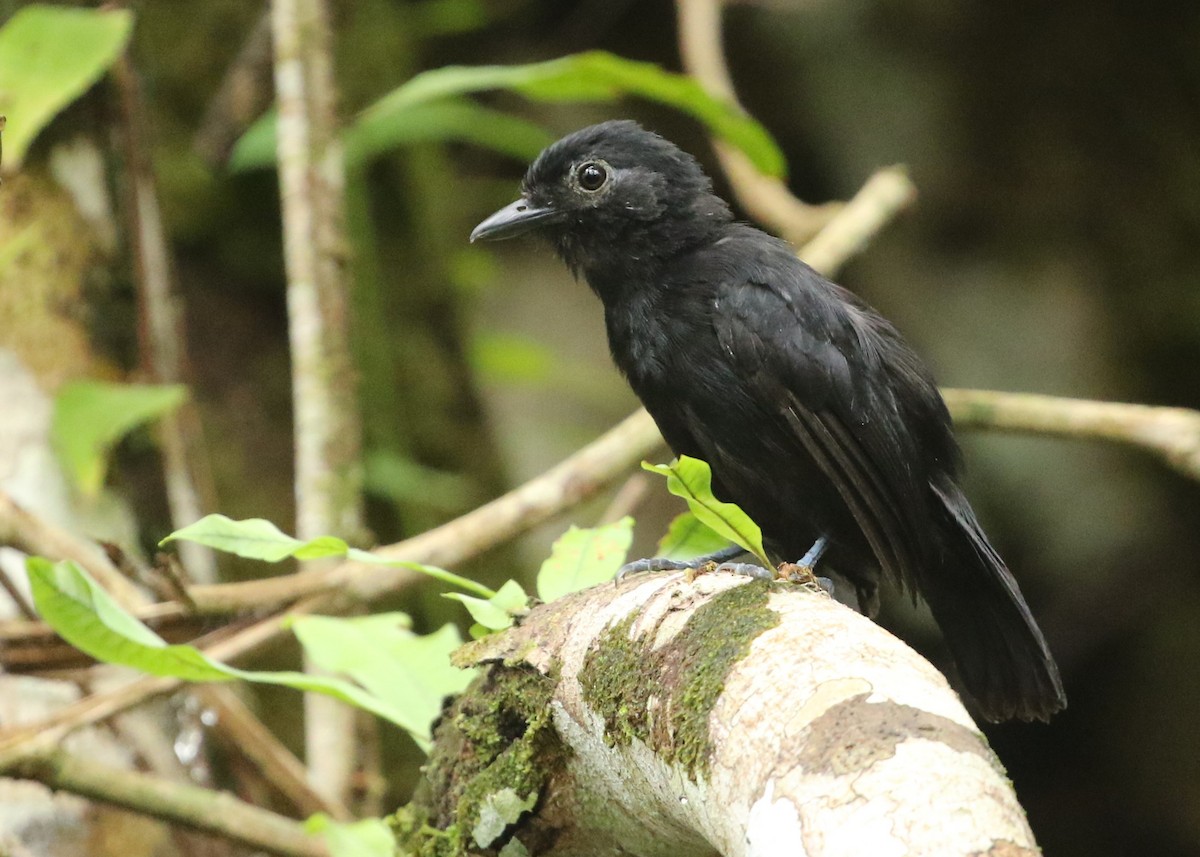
(591, 176)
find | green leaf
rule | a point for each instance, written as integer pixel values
(372, 134)
(255, 149)
(416, 668)
(451, 120)
(592, 76)
(367, 838)
(90, 417)
(495, 613)
(410, 674)
(691, 479)
(511, 598)
(256, 538)
(514, 848)
(689, 537)
(49, 56)
(504, 357)
(487, 615)
(403, 480)
(582, 558)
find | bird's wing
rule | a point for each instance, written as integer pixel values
(814, 360)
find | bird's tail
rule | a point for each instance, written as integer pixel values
(1001, 655)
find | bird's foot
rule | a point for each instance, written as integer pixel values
(794, 572)
(804, 571)
(693, 566)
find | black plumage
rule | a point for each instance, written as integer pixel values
(816, 417)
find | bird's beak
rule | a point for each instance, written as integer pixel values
(514, 219)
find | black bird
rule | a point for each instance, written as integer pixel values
(816, 417)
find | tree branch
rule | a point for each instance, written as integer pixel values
(324, 391)
(312, 188)
(765, 198)
(244, 94)
(716, 715)
(1172, 434)
(25, 531)
(191, 806)
(162, 343)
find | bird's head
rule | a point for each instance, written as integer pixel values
(609, 196)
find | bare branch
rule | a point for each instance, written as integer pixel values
(162, 341)
(245, 92)
(325, 405)
(17, 742)
(764, 198)
(30, 533)
(886, 193)
(1173, 434)
(33, 534)
(279, 767)
(180, 803)
(312, 187)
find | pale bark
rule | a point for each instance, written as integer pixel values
(823, 735)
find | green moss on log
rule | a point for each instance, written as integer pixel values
(663, 697)
(497, 735)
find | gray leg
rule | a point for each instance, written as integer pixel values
(810, 559)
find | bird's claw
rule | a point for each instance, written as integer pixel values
(795, 572)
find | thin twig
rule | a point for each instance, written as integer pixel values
(17, 596)
(245, 92)
(162, 342)
(180, 803)
(765, 198)
(248, 737)
(37, 737)
(32, 534)
(886, 193)
(242, 729)
(627, 499)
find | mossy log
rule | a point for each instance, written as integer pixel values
(717, 715)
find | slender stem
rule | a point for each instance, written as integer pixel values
(312, 186)
(162, 341)
(21, 529)
(324, 396)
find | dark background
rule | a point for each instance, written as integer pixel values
(1055, 248)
